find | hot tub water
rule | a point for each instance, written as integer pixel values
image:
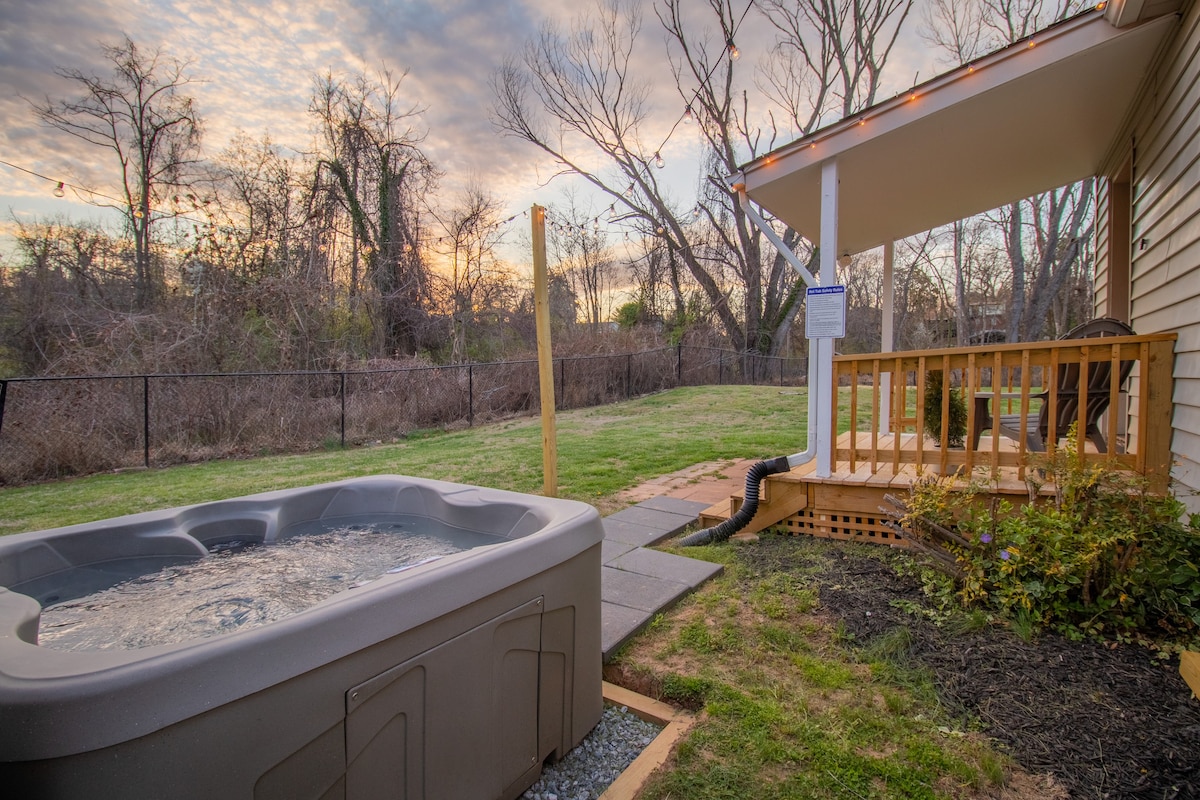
(246, 585)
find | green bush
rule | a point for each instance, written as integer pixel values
(957, 428)
(1104, 556)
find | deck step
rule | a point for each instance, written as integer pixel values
(778, 500)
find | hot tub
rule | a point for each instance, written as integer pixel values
(455, 676)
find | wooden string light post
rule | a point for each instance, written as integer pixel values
(541, 301)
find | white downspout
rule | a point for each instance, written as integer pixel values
(887, 335)
(796, 459)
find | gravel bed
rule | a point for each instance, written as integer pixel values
(585, 772)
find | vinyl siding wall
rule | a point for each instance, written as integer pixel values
(1165, 241)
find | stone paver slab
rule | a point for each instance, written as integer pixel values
(611, 549)
(642, 592)
(668, 566)
(667, 521)
(630, 533)
(676, 505)
(617, 625)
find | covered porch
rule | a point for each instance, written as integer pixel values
(1040, 114)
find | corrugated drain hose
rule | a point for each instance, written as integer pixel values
(741, 519)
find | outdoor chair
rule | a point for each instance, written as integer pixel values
(1066, 406)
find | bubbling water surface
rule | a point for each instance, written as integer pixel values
(241, 587)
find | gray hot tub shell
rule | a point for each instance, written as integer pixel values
(455, 679)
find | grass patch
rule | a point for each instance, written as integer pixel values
(792, 709)
(601, 451)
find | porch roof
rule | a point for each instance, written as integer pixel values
(1039, 114)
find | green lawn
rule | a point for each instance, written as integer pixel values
(600, 451)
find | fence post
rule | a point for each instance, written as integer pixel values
(562, 383)
(628, 376)
(720, 369)
(679, 364)
(781, 372)
(3, 397)
(146, 421)
(470, 395)
(342, 392)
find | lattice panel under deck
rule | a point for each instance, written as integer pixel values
(851, 526)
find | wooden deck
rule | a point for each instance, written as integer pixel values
(881, 399)
(846, 505)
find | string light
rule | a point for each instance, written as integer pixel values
(734, 53)
(658, 160)
(688, 115)
(59, 191)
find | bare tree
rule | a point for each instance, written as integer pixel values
(477, 280)
(830, 54)
(574, 95)
(372, 164)
(258, 203)
(1057, 221)
(955, 28)
(141, 113)
(580, 249)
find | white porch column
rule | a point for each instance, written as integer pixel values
(887, 335)
(826, 412)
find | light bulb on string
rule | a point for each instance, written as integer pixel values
(658, 160)
(612, 211)
(734, 53)
(688, 115)
(59, 191)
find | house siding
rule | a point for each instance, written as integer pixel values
(1165, 268)
(1103, 246)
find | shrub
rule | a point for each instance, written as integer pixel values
(957, 428)
(1104, 556)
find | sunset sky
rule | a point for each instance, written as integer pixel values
(254, 61)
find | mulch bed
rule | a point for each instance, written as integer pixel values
(1107, 722)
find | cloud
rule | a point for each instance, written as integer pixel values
(254, 62)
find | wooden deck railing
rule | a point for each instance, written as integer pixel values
(887, 405)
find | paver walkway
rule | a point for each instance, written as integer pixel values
(635, 582)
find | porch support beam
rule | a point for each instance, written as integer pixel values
(887, 335)
(826, 410)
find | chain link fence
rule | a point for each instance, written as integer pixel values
(52, 428)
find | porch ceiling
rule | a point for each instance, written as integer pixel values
(1034, 116)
